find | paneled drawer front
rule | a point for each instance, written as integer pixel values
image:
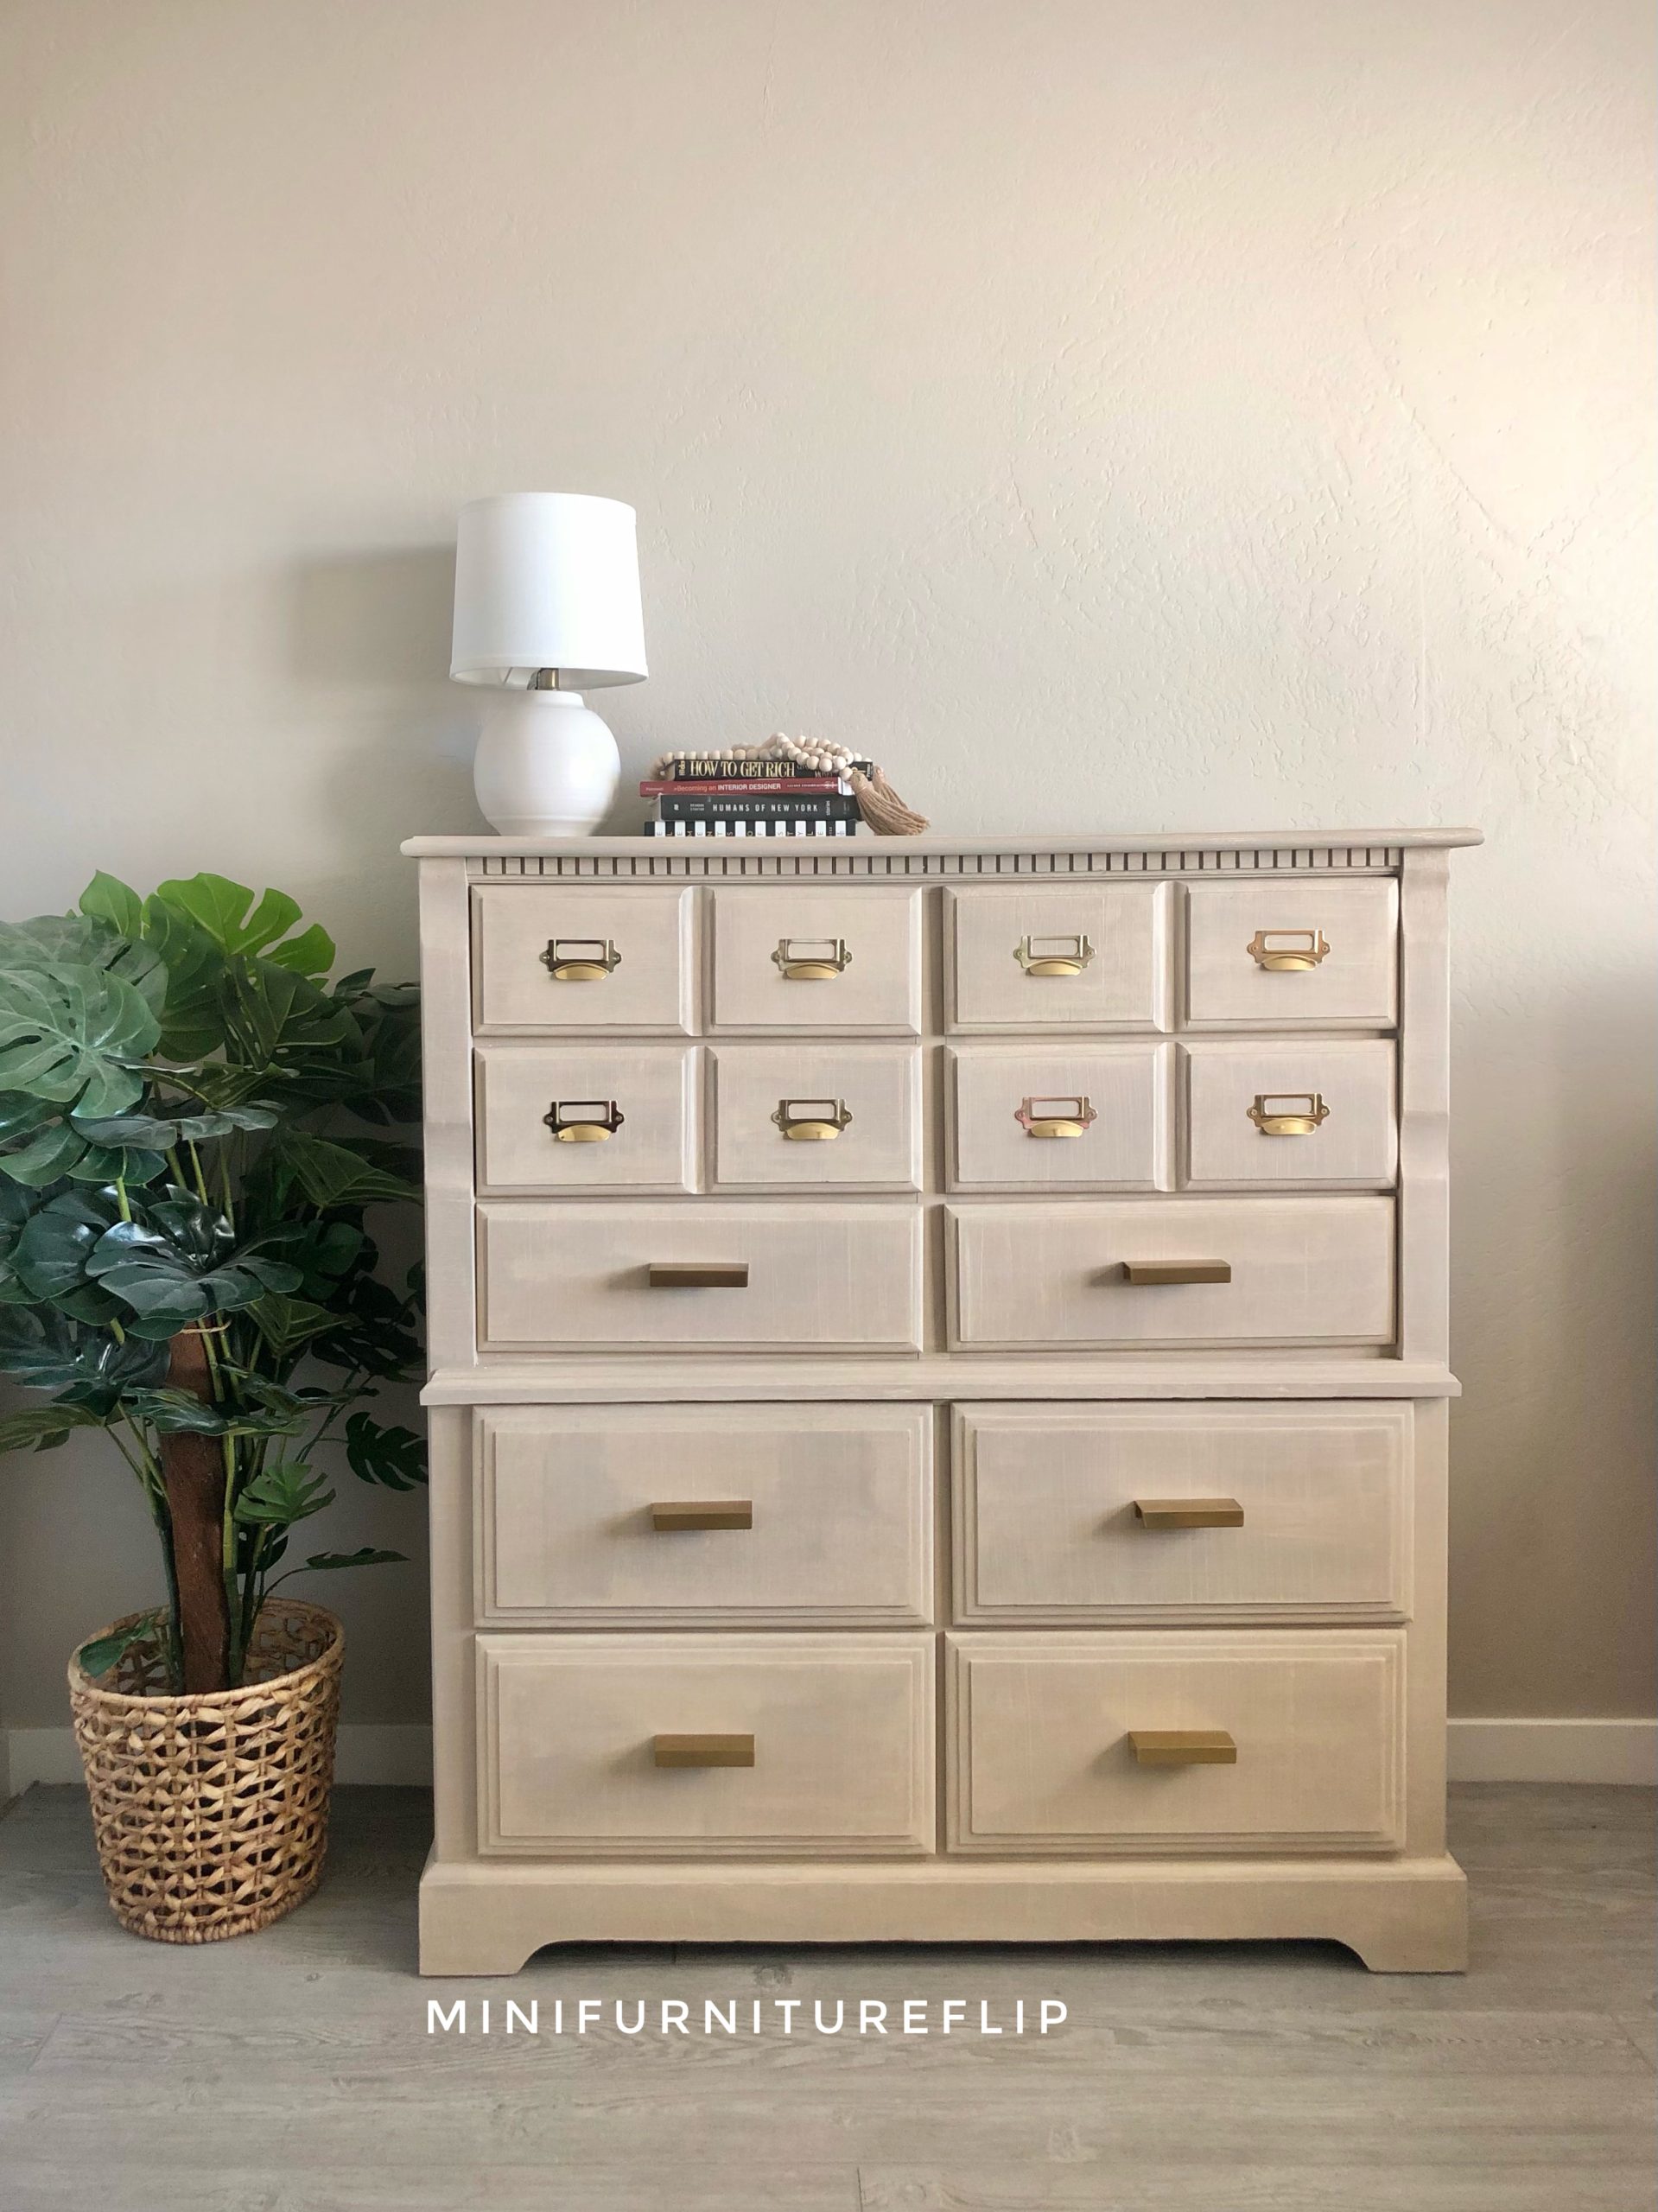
(1043, 1757)
(1267, 1112)
(588, 1516)
(1182, 1512)
(564, 956)
(835, 1732)
(1292, 954)
(816, 1118)
(1301, 1271)
(824, 959)
(586, 1117)
(1070, 956)
(1060, 1117)
(841, 1277)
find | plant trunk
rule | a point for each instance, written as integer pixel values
(193, 1468)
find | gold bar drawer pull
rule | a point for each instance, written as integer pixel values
(1288, 1113)
(698, 1274)
(703, 1750)
(580, 959)
(708, 1513)
(1053, 955)
(812, 1121)
(1054, 1118)
(1180, 1746)
(811, 959)
(1188, 1513)
(1287, 951)
(584, 1120)
(1148, 1274)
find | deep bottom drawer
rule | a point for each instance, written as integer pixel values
(706, 1746)
(1044, 1755)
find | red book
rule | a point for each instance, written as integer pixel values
(744, 788)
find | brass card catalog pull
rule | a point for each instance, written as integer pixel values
(1054, 1118)
(703, 1750)
(1287, 951)
(1188, 1513)
(698, 1274)
(1053, 955)
(1288, 1113)
(1181, 1746)
(584, 1120)
(811, 959)
(812, 1121)
(1148, 1274)
(580, 959)
(703, 1513)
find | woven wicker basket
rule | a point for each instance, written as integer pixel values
(212, 1811)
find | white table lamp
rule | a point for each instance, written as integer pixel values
(546, 607)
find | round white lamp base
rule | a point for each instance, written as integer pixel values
(547, 766)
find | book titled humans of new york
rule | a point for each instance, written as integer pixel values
(748, 2016)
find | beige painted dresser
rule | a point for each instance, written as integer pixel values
(939, 1391)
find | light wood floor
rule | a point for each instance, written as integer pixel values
(291, 2071)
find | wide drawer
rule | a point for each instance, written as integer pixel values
(602, 1117)
(1075, 1514)
(840, 1277)
(1061, 1117)
(561, 956)
(825, 959)
(596, 1516)
(709, 1745)
(816, 1118)
(1069, 956)
(1317, 1111)
(1120, 1740)
(1292, 953)
(1172, 1273)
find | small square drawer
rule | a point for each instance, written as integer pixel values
(1128, 1740)
(1060, 1117)
(616, 1277)
(555, 956)
(1163, 1273)
(763, 1746)
(586, 1117)
(819, 958)
(690, 1516)
(1069, 956)
(1079, 1514)
(1298, 954)
(1266, 1112)
(816, 1118)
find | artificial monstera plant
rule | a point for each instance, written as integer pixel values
(186, 1109)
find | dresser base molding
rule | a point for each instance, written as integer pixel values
(1405, 1916)
(692, 1378)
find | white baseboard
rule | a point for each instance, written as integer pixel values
(1480, 1751)
(1555, 1751)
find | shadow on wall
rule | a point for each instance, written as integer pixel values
(367, 647)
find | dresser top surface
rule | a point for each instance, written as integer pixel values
(480, 845)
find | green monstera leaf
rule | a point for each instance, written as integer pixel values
(76, 1036)
(394, 1457)
(225, 910)
(83, 941)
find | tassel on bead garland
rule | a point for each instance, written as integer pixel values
(878, 804)
(882, 807)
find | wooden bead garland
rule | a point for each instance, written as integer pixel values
(878, 804)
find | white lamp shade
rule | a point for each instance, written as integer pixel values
(547, 579)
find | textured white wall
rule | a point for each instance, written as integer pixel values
(1222, 412)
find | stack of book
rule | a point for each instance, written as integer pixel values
(724, 797)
